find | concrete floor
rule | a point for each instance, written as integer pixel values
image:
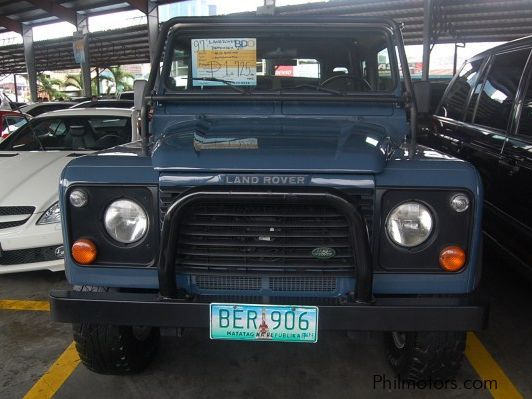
(195, 367)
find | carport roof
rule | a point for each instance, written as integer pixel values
(453, 20)
(39, 12)
(461, 21)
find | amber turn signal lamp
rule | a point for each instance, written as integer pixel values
(84, 251)
(452, 258)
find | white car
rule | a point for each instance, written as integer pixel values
(31, 161)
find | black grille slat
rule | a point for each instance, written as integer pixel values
(238, 253)
(219, 231)
(307, 243)
(166, 199)
(279, 213)
(265, 211)
(254, 262)
(249, 223)
(30, 255)
(7, 225)
(16, 210)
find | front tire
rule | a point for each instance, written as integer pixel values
(422, 356)
(108, 349)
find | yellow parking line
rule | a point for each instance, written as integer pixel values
(488, 369)
(24, 305)
(56, 375)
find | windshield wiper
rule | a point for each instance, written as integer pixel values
(314, 87)
(226, 82)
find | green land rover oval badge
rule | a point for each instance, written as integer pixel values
(323, 252)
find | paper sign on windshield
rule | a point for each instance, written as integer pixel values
(233, 60)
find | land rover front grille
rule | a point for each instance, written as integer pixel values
(264, 237)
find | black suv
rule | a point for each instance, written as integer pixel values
(485, 117)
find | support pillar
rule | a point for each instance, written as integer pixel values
(153, 27)
(427, 36)
(98, 81)
(29, 55)
(15, 84)
(82, 27)
(455, 58)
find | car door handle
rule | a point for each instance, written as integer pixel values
(509, 166)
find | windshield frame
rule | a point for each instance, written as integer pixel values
(262, 27)
(405, 96)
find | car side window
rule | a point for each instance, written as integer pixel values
(455, 101)
(110, 131)
(47, 133)
(525, 121)
(14, 122)
(500, 87)
(58, 127)
(23, 140)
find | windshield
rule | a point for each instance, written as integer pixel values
(326, 62)
(70, 133)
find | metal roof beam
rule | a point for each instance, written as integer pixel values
(55, 9)
(10, 24)
(141, 5)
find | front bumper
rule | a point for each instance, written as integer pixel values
(53, 266)
(384, 314)
(31, 247)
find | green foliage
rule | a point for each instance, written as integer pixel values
(73, 81)
(119, 79)
(77, 82)
(122, 80)
(49, 86)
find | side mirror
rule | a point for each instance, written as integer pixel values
(138, 93)
(422, 94)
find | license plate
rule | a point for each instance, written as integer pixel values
(276, 323)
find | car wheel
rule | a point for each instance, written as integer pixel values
(422, 356)
(108, 349)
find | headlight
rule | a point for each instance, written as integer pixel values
(52, 215)
(126, 221)
(409, 224)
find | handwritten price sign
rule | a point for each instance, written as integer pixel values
(232, 59)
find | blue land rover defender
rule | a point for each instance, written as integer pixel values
(277, 191)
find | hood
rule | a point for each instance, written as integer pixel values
(272, 144)
(31, 178)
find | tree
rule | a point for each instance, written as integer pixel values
(49, 85)
(122, 80)
(75, 80)
(117, 78)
